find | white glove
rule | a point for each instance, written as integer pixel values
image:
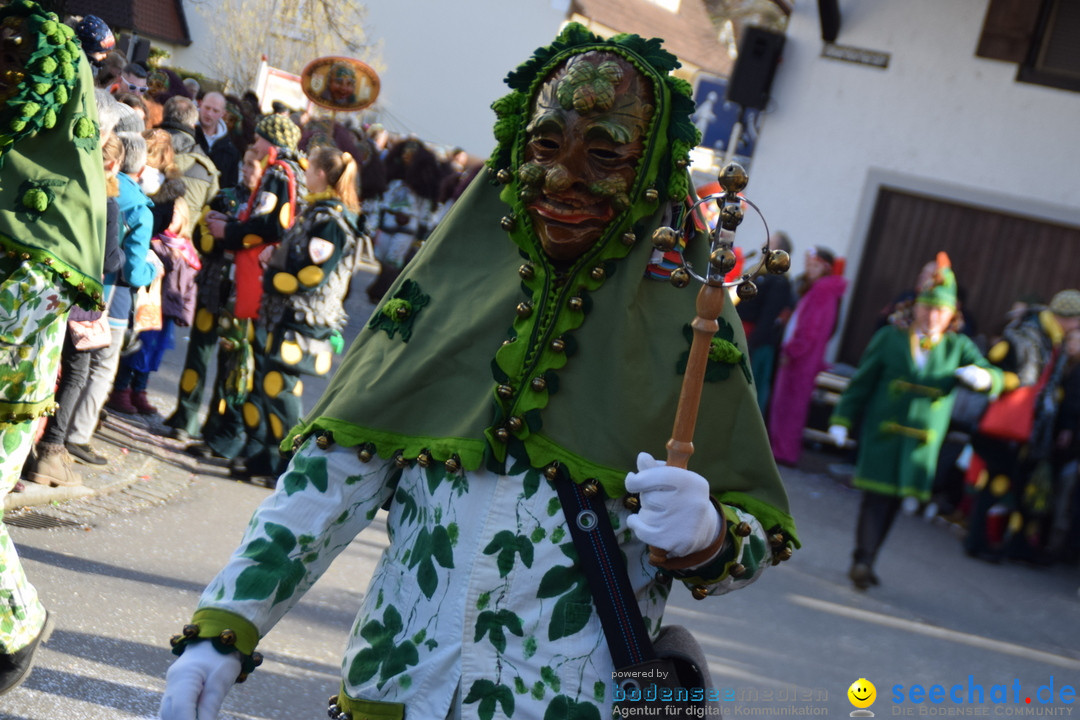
(196, 684)
(974, 377)
(676, 514)
(838, 433)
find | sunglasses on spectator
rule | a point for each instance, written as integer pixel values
(141, 89)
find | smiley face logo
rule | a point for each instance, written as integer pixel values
(862, 693)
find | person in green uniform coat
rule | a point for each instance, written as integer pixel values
(903, 394)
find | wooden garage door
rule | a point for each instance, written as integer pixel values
(998, 257)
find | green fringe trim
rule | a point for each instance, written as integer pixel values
(13, 413)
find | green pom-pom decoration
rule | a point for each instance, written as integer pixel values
(84, 128)
(47, 65)
(49, 27)
(397, 308)
(42, 88)
(67, 31)
(36, 200)
(49, 120)
(18, 124)
(67, 71)
(721, 350)
(29, 110)
(61, 95)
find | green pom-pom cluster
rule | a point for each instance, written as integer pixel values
(50, 74)
(397, 309)
(84, 127)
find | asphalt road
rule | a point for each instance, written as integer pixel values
(121, 582)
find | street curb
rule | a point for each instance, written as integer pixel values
(135, 453)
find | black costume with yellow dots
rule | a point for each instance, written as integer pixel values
(223, 282)
(301, 316)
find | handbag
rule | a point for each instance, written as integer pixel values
(670, 673)
(1011, 416)
(90, 334)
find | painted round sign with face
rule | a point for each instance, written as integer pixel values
(340, 83)
(585, 138)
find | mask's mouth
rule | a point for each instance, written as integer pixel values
(572, 213)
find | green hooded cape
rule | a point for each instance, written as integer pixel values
(482, 354)
(52, 181)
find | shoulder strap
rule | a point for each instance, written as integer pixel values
(603, 565)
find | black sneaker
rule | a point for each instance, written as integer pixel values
(15, 667)
(202, 451)
(86, 454)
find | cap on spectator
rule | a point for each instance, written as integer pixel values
(279, 130)
(1066, 303)
(95, 35)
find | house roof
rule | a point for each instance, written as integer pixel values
(689, 33)
(156, 19)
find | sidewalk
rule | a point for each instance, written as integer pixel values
(142, 461)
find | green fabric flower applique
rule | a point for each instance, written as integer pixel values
(399, 312)
(723, 354)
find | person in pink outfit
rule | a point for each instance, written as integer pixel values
(802, 353)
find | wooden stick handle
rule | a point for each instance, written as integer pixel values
(710, 303)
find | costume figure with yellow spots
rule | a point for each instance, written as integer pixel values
(230, 286)
(303, 306)
(1016, 480)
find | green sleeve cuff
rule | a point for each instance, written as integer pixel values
(213, 622)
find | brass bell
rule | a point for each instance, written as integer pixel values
(228, 637)
(652, 195)
(402, 312)
(784, 554)
(401, 461)
(731, 215)
(682, 163)
(597, 273)
(66, 274)
(778, 262)
(452, 464)
(723, 260)
(629, 239)
(256, 659)
(524, 309)
(515, 424)
(746, 290)
(48, 261)
(527, 271)
(632, 503)
(590, 487)
(323, 441)
(191, 631)
(424, 458)
(700, 592)
(504, 176)
(558, 345)
(664, 238)
(538, 384)
(776, 540)
(733, 178)
(502, 435)
(505, 392)
(552, 471)
(176, 640)
(575, 303)
(680, 277)
(507, 222)
(742, 529)
(365, 454)
(737, 570)
(26, 256)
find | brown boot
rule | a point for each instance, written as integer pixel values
(142, 403)
(53, 467)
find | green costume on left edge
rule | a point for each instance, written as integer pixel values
(52, 230)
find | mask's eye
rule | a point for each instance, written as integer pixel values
(604, 155)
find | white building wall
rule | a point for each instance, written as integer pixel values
(937, 121)
(444, 62)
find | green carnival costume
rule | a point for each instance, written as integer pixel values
(52, 228)
(486, 375)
